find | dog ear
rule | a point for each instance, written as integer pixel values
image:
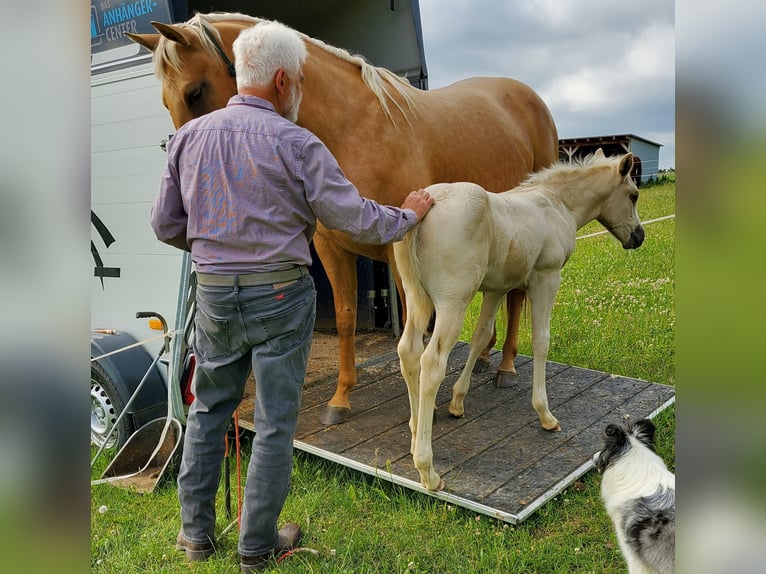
(614, 436)
(644, 430)
(614, 443)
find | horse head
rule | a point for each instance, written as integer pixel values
(619, 213)
(193, 61)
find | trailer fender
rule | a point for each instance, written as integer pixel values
(113, 380)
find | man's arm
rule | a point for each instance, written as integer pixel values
(168, 216)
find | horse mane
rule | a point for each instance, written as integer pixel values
(378, 79)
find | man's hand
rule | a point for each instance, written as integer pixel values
(419, 201)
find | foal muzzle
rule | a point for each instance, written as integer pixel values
(636, 238)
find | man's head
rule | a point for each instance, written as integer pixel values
(268, 59)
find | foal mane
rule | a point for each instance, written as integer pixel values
(379, 80)
(561, 171)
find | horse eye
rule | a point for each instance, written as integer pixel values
(194, 96)
(634, 197)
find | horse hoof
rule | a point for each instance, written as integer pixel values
(335, 415)
(505, 379)
(481, 365)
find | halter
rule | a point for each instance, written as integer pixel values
(224, 57)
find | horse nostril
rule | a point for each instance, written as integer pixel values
(636, 238)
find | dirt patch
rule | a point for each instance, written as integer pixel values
(323, 359)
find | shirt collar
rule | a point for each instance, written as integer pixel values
(253, 101)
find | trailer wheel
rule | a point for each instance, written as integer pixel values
(106, 404)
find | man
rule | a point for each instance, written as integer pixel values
(243, 189)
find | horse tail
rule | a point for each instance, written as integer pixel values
(420, 307)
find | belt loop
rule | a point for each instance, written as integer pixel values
(236, 284)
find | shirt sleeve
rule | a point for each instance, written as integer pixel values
(168, 216)
(336, 201)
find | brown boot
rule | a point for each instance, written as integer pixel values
(195, 552)
(289, 537)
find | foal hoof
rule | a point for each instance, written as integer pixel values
(481, 365)
(505, 379)
(335, 415)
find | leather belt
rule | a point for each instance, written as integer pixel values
(252, 279)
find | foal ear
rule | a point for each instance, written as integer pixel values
(172, 33)
(148, 41)
(626, 164)
(599, 153)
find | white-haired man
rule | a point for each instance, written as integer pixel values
(242, 190)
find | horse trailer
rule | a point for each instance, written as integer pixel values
(135, 273)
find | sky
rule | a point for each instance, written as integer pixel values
(602, 67)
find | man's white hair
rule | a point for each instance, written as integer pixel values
(261, 50)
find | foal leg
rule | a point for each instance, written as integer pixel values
(507, 370)
(433, 366)
(482, 362)
(542, 292)
(483, 333)
(410, 349)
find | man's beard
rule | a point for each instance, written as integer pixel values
(292, 105)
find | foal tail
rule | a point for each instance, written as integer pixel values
(420, 307)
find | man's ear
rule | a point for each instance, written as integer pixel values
(279, 80)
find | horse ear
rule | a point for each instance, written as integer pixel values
(173, 33)
(599, 153)
(626, 164)
(148, 41)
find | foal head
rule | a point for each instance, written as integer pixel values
(619, 213)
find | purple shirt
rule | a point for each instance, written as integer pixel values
(244, 187)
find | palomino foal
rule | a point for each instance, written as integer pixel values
(472, 240)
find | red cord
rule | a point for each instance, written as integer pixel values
(239, 470)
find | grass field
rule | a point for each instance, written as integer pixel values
(615, 313)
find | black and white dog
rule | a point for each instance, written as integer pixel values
(639, 493)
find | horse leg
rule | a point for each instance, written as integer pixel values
(410, 349)
(340, 267)
(433, 367)
(542, 292)
(507, 370)
(483, 333)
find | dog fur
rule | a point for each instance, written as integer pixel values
(639, 493)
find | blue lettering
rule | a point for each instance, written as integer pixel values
(125, 12)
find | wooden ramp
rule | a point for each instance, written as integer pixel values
(497, 460)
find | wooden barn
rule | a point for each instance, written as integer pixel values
(647, 152)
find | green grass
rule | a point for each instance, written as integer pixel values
(614, 313)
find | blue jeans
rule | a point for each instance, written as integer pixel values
(236, 328)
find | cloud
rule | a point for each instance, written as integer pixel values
(602, 67)
(641, 74)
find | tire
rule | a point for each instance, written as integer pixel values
(106, 403)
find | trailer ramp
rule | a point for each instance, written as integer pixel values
(497, 460)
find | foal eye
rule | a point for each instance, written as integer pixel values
(634, 197)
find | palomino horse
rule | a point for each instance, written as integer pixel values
(388, 137)
(473, 241)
